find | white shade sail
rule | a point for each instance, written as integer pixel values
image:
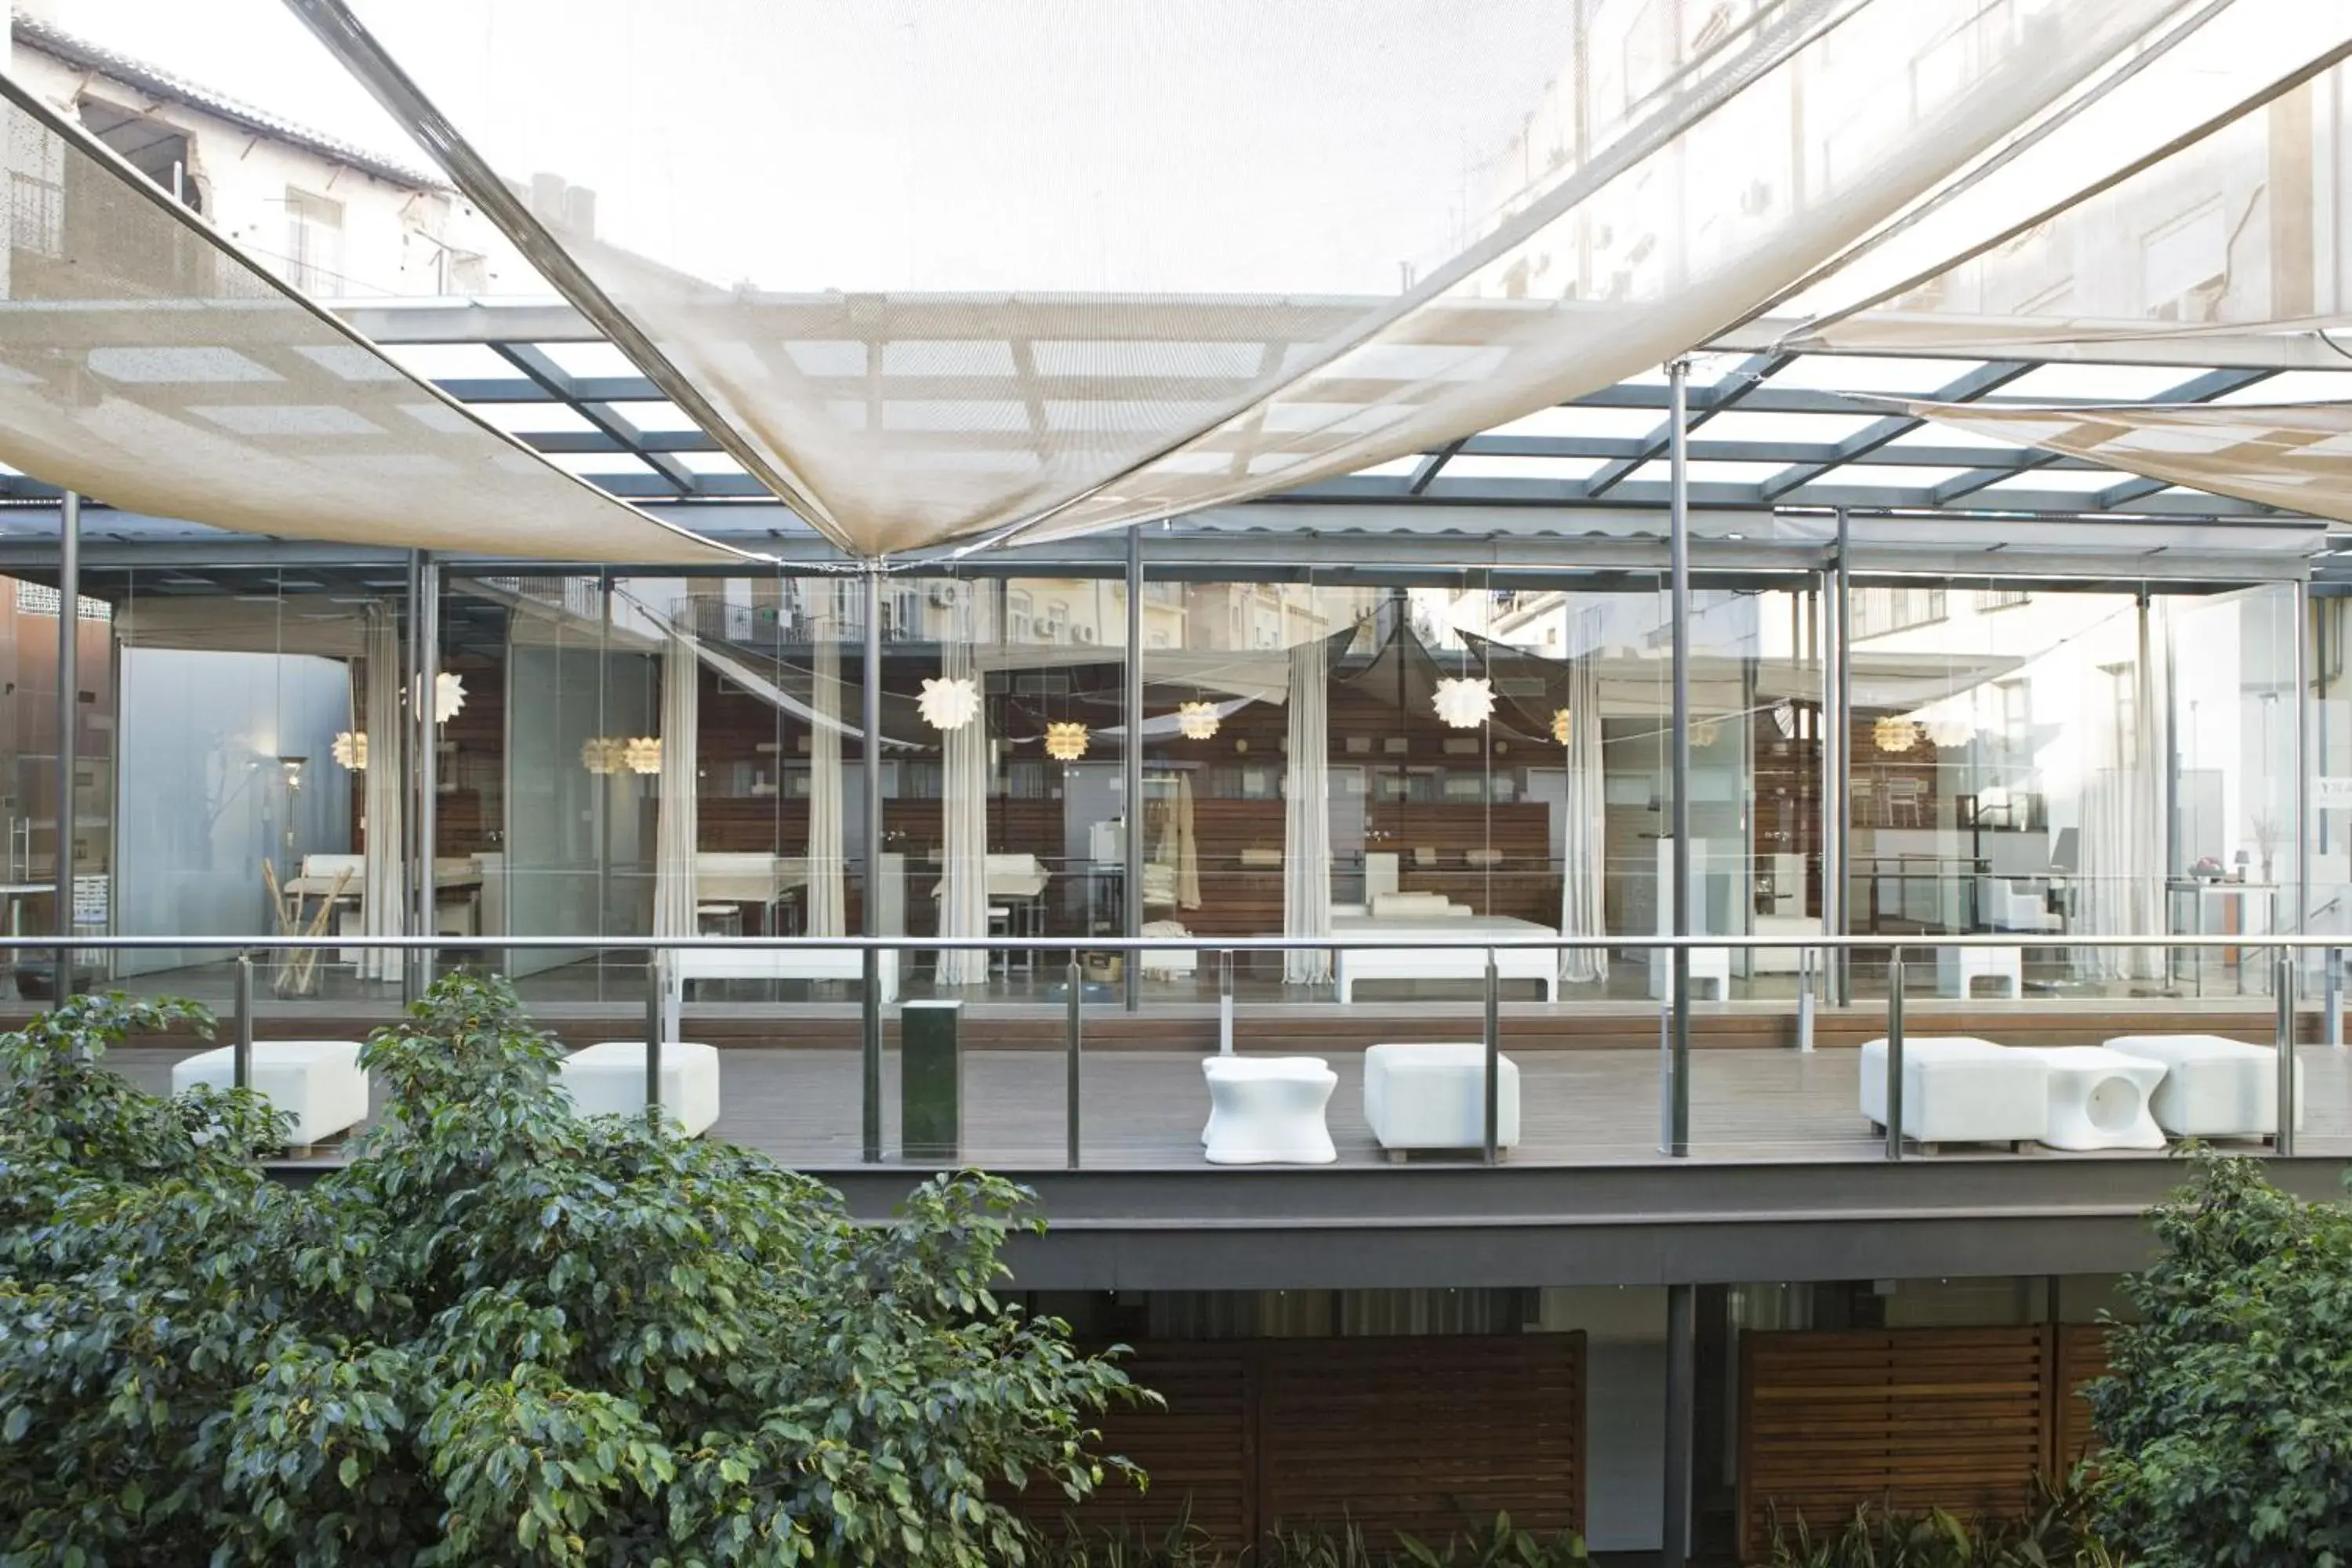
(146, 361)
(1386, 224)
(2297, 456)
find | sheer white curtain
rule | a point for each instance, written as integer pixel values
(676, 822)
(1306, 817)
(1584, 845)
(385, 875)
(828, 898)
(2123, 836)
(963, 789)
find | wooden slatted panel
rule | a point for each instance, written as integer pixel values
(1422, 1435)
(2082, 1356)
(1196, 1451)
(1905, 1420)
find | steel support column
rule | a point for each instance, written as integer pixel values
(1681, 1396)
(869, 904)
(68, 726)
(1837, 763)
(2306, 710)
(1677, 1138)
(1131, 769)
(424, 774)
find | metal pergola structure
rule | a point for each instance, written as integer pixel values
(1770, 427)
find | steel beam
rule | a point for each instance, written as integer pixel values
(68, 721)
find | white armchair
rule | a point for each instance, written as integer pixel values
(2002, 907)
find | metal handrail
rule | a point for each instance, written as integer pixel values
(662, 973)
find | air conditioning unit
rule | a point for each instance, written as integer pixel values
(1757, 198)
(943, 594)
(1086, 633)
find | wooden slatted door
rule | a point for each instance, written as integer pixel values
(1900, 1419)
(1421, 1435)
(2082, 1356)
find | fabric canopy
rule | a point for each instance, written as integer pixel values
(2296, 455)
(147, 363)
(1388, 224)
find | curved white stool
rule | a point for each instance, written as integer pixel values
(2098, 1098)
(1268, 1111)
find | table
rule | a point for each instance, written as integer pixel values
(2218, 909)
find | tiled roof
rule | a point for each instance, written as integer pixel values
(34, 34)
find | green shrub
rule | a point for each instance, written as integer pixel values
(2058, 1534)
(504, 1334)
(2227, 1411)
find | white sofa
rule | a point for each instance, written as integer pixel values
(1960, 1089)
(1446, 938)
(1267, 1110)
(2213, 1088)
(1433, 1096)
(318, 1082)
(609, 1079)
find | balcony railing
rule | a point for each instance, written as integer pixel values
(1147, 1107)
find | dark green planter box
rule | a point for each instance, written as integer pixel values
(930, 1082)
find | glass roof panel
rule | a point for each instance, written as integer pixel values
(660, 415)
(1470, 468)
(1749, 425)
(2096, 383)
(1395, 467)
(1932, 433)
(516, 418)
(1904, 476)
(593, 358)
(2071, 481)
(594, 465)
(1575, 419)
(454, 361)
(1872, 372)
(1660, 472)
(707, 462)
(2296, 386)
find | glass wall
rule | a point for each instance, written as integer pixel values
(2045, 761)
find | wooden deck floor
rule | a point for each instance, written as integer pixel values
(1143, 1109)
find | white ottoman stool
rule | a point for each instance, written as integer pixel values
(318, 1082)
(2098, 1098)
(1268, 1111)
(1960, 1090)
(2213, 1088)
(1957, 969)
(1434, 1097)
(609, 1079)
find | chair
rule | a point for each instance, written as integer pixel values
(1267, 1110)
(1433, 1096)
(1960, 1089)
(609, 1079)
(2001, 907)
(318, 1082)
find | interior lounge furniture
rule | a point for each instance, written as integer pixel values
(1434, 1097)
(1960, 1089)
(809, 963)
(1168, 963)
(2003, 904)
(609, 1079)
(2098, 1098)
(1267, 1110)
(1957, 969)
(1446, 938)
(1709, 966)
(754, 878)
(318, 1082)
(1782, 960)
(2212, 1087)
(457, 894)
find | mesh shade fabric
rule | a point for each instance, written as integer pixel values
(146, 363)
(2178, 199)
(2297, 457)
(1385, 224)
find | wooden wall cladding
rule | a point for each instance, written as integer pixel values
(1422, 1435)
(1906, 1419)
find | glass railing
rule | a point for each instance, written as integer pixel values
(1104, 1053)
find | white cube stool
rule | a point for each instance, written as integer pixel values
(609, 1079)
(318, 1082)
(1708, 965)
(1960, 1090)
(1957, 969)
(1268, 1111)
(2098, 1098)
(2213, 1088)
(1433, 1096)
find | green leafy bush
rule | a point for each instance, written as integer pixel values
(2058, 1534)
(1495, 1543)
(504, 1334)
(2227, 1411)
